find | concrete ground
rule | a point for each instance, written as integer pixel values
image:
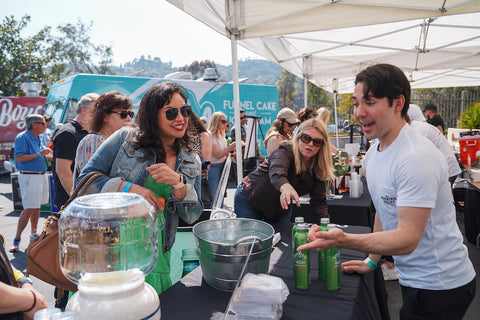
(8, 225)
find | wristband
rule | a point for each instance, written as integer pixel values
(24, 280)
(126, 186)
(34, 302)
(370, 263)
(38, 154)
(18, 274)
(180, 184)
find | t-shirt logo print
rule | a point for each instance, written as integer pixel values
(389, 200)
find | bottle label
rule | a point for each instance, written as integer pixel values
(301, 261)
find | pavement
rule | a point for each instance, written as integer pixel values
(8, 225)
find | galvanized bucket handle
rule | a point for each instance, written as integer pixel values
(243, 239)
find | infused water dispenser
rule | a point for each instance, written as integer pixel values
(108, 243)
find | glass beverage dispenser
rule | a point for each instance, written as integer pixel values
(108, 243)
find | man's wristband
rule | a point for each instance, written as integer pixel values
(18, 274)
(126, 186)
(370, 263)
(34, 302)
(38, 154)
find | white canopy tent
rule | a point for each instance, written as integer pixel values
(327, 42)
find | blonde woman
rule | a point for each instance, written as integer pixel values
(220, 149)
(324, 116)
(281, 129)
(296, 168)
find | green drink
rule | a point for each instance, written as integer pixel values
(333, 266)
(321, 254)
(301, 259)
(298, 220)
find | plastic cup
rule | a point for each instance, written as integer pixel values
(46, 314)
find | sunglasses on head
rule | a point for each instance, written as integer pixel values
(172, 113)
(317, 142)
(123, 114)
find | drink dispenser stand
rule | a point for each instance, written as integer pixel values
(108, 243)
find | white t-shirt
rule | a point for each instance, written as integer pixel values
(222, 144)
(415, 113)
(412, 172)
(439, 140)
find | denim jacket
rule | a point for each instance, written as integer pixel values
(118, 159)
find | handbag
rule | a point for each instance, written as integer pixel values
(43, 253)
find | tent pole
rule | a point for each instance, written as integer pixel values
(236, 107)
(335, 93)
(305, 93)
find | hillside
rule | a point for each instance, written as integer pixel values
(257, 71)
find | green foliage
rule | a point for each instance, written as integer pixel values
(286, 89)
(317, 97)
(345, 106)
(46, 58)
(470, 118)
(21, 59)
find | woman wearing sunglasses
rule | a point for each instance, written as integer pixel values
(296, 168)
(110, 112)
(281, 129)
(220, 149)
(155, 161)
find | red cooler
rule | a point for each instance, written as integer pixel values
(469, 145)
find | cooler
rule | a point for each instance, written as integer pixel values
(469, 145)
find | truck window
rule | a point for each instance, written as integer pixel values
(54, 110)
(71, 111)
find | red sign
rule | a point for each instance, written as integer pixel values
(13, 111)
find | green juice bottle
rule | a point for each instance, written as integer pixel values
(321, 254)
(298, 220)
(333, 266)
(301, 259)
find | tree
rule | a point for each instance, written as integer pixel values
(317, 97)
(21, 59)
(46, 58)
(286, 89)
(72, 51)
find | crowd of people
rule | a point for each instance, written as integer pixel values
(163, 151)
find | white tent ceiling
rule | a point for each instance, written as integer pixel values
(437, 43)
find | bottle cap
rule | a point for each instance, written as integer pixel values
(324, 220)
(302, 226)
(299, 219)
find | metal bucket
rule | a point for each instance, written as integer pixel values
(224, 246)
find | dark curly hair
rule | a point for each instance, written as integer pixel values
(148, 131)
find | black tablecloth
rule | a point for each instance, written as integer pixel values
(350, 211)
(360, 296)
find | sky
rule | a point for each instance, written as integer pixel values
(132, 28)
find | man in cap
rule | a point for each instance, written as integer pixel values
(433, 118)
(30, 152)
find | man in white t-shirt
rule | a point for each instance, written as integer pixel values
(416, 220)
(439, 140)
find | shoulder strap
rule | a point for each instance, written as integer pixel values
(82, 187)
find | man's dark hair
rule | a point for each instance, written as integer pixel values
(430, 106)
(385, 80)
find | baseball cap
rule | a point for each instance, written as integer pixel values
(288, 115)
(430, 106)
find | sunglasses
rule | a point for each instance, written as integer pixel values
(42, 123)
(291, 125)
(243, 117)
(123, 114)
(317, 142)
(172, 113)
(224, 121)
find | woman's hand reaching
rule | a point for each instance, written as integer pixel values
(287, 194)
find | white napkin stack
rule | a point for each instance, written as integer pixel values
(259, 297)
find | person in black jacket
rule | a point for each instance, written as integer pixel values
(296, 168)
